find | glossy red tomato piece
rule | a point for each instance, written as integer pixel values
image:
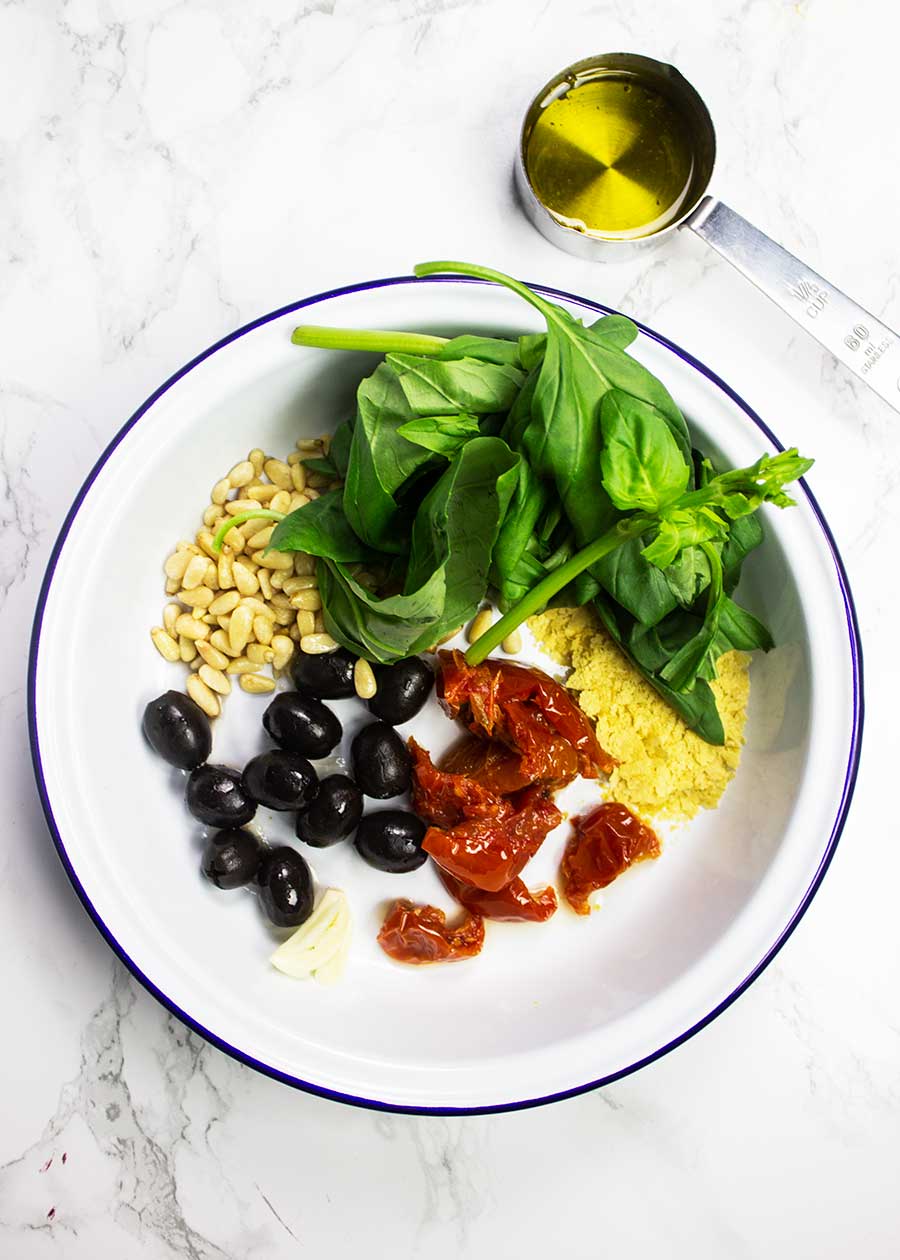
(489, 853)
(605, 843)
(419, 934)
(527, 710)
(513, 902)
(488, 762)
(444, 799)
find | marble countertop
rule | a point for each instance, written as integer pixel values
(170, 170)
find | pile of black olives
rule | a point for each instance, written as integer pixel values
(328, 810)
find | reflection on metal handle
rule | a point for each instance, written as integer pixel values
(858, 339)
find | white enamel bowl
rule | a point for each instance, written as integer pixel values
(546, 1010)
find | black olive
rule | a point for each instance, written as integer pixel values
(231, 858)
(285, 887)
(334, 813)
(216, 796)
(391, 840)
(280, 780)
(302, 724)
(382, 765)
(402, 689)
(328, 675)
(178, 730)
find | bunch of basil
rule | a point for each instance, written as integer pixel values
(554, 468)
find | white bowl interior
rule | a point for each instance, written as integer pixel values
(545, 1008)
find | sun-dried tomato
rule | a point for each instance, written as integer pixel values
(488, 762)
(527, 710)
(514, 901)
(489, 853)
(419, 934)
(444, 799)
(604, 844)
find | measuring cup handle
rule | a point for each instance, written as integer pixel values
(861, 342)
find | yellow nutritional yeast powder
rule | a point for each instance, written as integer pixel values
(611, 156)
(665, 770)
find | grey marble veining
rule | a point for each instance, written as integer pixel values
(167, 172)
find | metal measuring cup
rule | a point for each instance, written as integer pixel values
(854, 336)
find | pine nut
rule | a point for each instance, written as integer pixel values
(311, 446)
(244, 579)
(236, 506)
(194, 573)
(319, 623)
(224, 622)
(304, 565)
(274, 560)
(314, 644)
(176, 564)
(299, 500)
(480, 624)
(164, 643)
(292, 585)
(512, 644)
(184, 545)
(280, 600)
(258, 459)
(294, 458)
(298, 477)
(364, 680)
(259, 654)
(240, 628)
(202, 696)
(212, 517)
(225, 571)
(186, 649)
(202, 597)
(306, 622)
(282, 651)
(242, 665)
(211, 655)
(261, 537)
(279, 473)
(235, 540)
(262, 494)
(276, 581)
(224, 603)
(220, 641)
(190, 627)
(262, 628)
(295, 634)
(316, 480)
(215, 680)
(257, 684)
(221, 491)
(310, 493)
(310, 600)
(242, 474)
(195, 665)
(281, 502)
(265, 582)
(284, 616)
(171, 613)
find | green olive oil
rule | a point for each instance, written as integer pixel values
(611, 156)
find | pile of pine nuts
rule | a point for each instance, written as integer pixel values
(243, 612)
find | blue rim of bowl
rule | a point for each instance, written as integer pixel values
(371, 1103)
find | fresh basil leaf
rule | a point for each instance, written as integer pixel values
(681, 528)
(438, 387)
(643, 467)
(324, 466)
(488, 349)
(529, 498)
(740, 630)
(616, 330)
(339, 451)
(640, 587)
(385, 629)
(531, 350)
(321, 529)
(442, 434)
(457, 525)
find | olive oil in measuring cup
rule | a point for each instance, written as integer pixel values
(611, 154)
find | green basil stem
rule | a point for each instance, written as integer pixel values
(539, 595)
(263, 514)
(375, 339)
